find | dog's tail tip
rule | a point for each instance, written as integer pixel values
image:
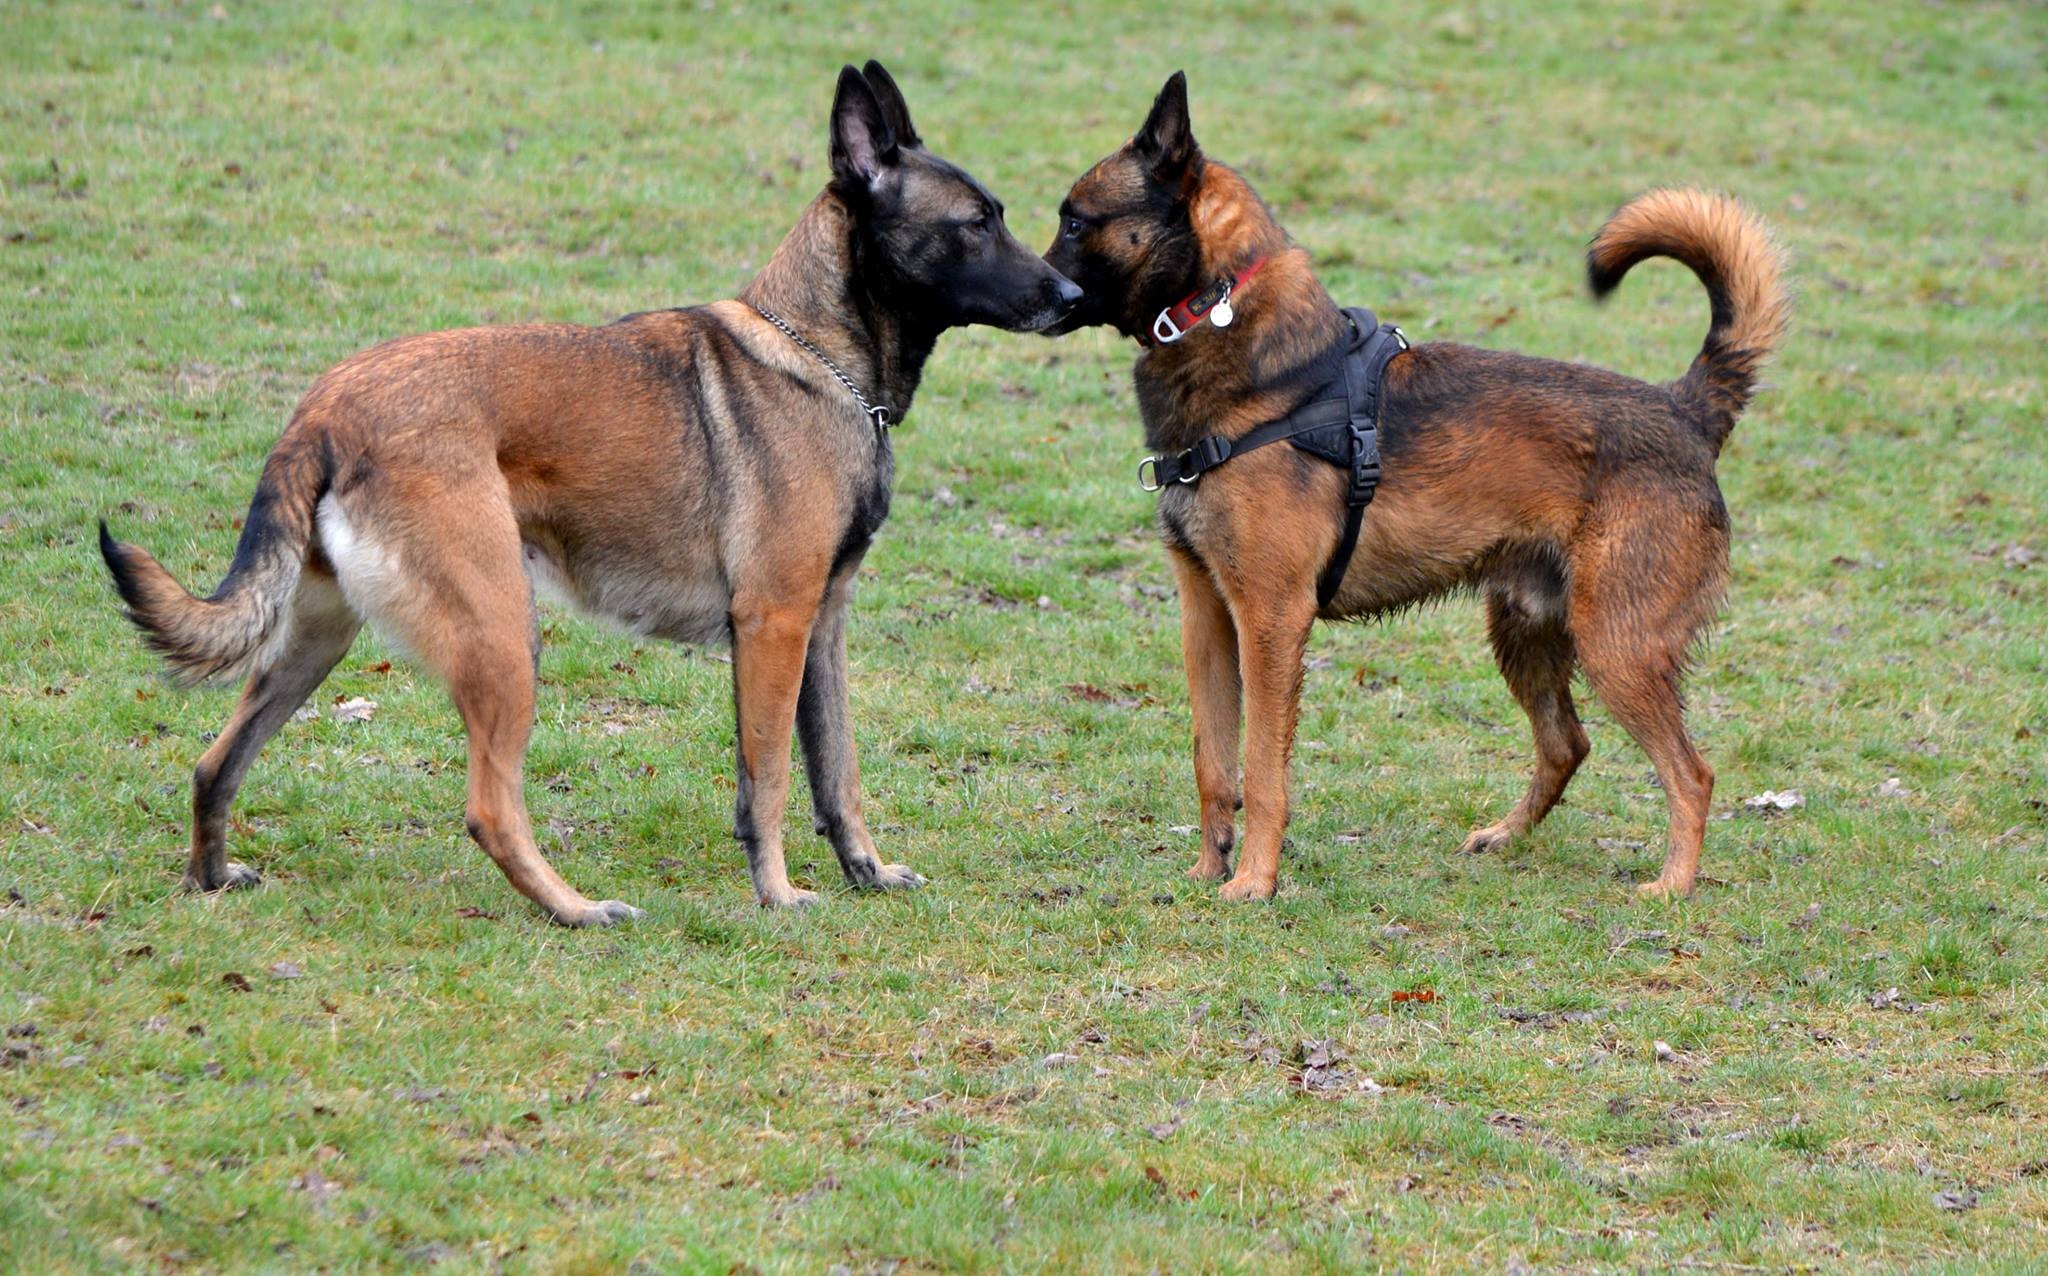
(1602, 277)
(233, 632)
(128, 565)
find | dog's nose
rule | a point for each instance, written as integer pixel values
(1066, 290)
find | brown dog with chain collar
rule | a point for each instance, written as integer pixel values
(711, 474)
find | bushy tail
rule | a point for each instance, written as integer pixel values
(1739, 261)
(225, 636)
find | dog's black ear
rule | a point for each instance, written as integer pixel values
(864, 147)
(894, 108)
(1168, 139)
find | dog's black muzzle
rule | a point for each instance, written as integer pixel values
(1058, 296)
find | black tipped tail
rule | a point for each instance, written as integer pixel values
(1738, 261)
(227, 634)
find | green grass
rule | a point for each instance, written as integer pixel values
(199, 213)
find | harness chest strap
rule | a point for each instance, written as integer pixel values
(1339, 424)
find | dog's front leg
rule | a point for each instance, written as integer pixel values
(768, 647)
(1208, 642)
(824, 723)
(1272, 633)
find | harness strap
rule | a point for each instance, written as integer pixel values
(1363, 375)
(1340, 427)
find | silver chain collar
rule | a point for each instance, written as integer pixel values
(879, 414)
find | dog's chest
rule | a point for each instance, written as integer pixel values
(870, 504)
(1176, 517)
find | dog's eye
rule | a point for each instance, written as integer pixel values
(1074, 228)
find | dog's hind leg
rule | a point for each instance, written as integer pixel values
(1208, 640)
(492, 683)
(490, 674)
(1535, 656)
(322, 628)
(824, 721)
(1641, 589)
(442, 566)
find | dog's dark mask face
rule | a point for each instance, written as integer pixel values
(1124, 233)
(935, 235)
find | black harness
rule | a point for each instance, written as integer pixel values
(1340, 423)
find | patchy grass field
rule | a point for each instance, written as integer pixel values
(1062, 1053)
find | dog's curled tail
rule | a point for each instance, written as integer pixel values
(1738, 259)
(225, 636)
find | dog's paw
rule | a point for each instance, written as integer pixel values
(237, 877)
(1494, 837)
(1209, 868)
(787, 897)
(1238, 888)
(605, 912)
(1663, 888)
(894, 877)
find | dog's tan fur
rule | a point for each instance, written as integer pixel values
(692, 474)
(1581, 503)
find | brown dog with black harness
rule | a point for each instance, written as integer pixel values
(712, 474)
(1581, 503)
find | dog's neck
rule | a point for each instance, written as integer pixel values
(1227, 380)
(824, 282)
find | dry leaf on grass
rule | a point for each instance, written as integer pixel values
(1771, 800)
(356, 709)
(319, 1189)
(1322, 1071)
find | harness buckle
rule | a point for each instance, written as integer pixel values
(1165, 331)
(1149, 484)
(1365, 464)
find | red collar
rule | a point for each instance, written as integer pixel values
(1181, 318)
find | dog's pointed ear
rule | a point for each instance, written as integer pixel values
(864, 150)
(894, 108)
(1167, 141)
